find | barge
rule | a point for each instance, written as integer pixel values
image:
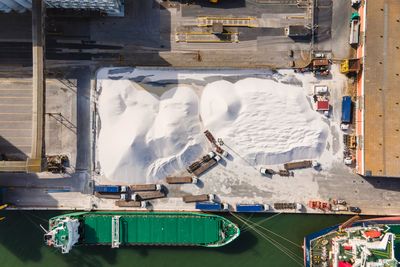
(139, 228)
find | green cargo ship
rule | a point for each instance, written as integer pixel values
(139, 228)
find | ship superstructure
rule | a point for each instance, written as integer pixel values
(368, 243)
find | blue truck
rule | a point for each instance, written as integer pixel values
(110, 189)
(250, 207)
(346, 112)
(211, 206)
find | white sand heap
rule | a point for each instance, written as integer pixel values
(143, 138)
(263, 121)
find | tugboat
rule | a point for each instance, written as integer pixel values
(139, 228)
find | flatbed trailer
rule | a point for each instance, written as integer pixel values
(197, 198)
(145, 195)
(107, 195)
(130, 204)
(204, 167)
(297, 165)
(181, 180)
(287, 206)
(145, 187)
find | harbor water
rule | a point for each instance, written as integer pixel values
(276, 243)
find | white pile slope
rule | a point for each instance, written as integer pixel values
(144, 138)
(263, 121)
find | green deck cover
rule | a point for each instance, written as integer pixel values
(187, 229)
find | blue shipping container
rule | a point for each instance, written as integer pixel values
(107, 188)
(346, 109)
(208, 206)
(249, 207)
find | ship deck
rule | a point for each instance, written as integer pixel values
(176, 229)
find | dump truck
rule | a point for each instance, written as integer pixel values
(251, 207)
(204, 167)
(181, 180)
(346, 112)
(354, 29)
(198, 198)
(110, 189)
(298, 165)
(206, 162)
(211, 206)
(145, 195)
(131, 204)
(145, 187)
(210, 137)
(352, 65)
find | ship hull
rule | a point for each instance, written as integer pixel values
(150, 228)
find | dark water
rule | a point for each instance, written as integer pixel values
(21, 245)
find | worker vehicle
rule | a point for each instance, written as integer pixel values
(319, 55)
(339, 202)
(352, 65)
(354, 29)
(355, 3)
(348, 160)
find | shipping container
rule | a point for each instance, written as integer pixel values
(210, 206)
(109, 188)
(250, 208)
(346, 109)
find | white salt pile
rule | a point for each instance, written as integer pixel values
(144, 138)
(263, 121)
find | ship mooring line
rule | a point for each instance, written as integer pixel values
(262, 221)
(31, 221)
(46, 221)
(275, 243)
(284, 238)
(271, 240)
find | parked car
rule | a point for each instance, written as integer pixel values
(355, 209)
(266, 171)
